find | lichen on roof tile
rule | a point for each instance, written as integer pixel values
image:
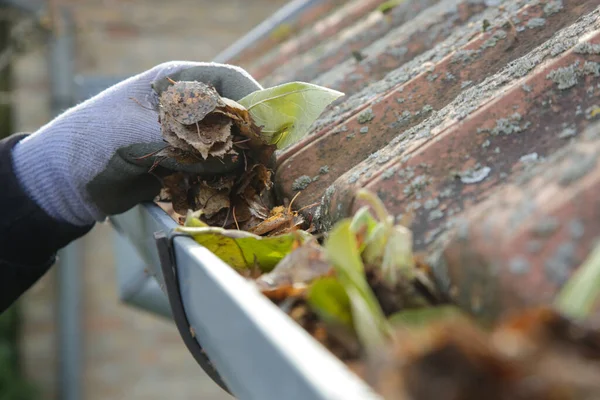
(441, 115)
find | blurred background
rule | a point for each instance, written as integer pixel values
(54, 53)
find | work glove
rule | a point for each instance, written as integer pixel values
(94, 160)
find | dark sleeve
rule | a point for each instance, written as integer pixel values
(29, 238)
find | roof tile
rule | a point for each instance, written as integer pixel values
(284, 31)
(307, 39)
(474, 120)
(348, 43)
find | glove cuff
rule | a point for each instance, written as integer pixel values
(29, 237)
(42, 173)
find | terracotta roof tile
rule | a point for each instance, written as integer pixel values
(520, 245)
(348, 43)
(311, 36)
(301, 22)
(466, 116)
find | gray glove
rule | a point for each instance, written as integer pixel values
(92, 160)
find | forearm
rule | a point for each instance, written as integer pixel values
(29, 238)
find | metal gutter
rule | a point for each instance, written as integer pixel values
(281, 16)
(138, 226)
(259, 351)
(136, 287)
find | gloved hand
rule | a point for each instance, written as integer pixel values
(89, 162)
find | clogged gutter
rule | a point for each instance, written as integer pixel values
(358, 288)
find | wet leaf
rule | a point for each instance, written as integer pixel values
(287, 111)
(580, 294)
(243, 250)
(369, 321)
(327, 297)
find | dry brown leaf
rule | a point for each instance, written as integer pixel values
(189, 101)
(257, 177)
(344, 347)
(279, 294)
(177, 186)
(209, 199)
(221, 149)
(198, 123)
(211, 136)
(174, 132)
(278, 217)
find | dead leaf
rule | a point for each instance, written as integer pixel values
(211, 136)
(173, 132)
(189, 101)
(280, 220)
(258, 177)
(278, 217)
(177, 186)
(301, 266)
(281, 293)
(339, 342)
(210, 200)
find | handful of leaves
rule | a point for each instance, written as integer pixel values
(200, 126)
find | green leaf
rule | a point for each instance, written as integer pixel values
(243, 250)
(287, 111)
(303, 265)
(387, 245)
(327, 297)
(579, 295)
(416, 318)
(363, 220)
(387, 6)
(369, 321)
(363, 223)
(398, 261)
(193, 220)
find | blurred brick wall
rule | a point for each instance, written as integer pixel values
(127, 353)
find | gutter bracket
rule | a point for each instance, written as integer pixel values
(168, 265)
